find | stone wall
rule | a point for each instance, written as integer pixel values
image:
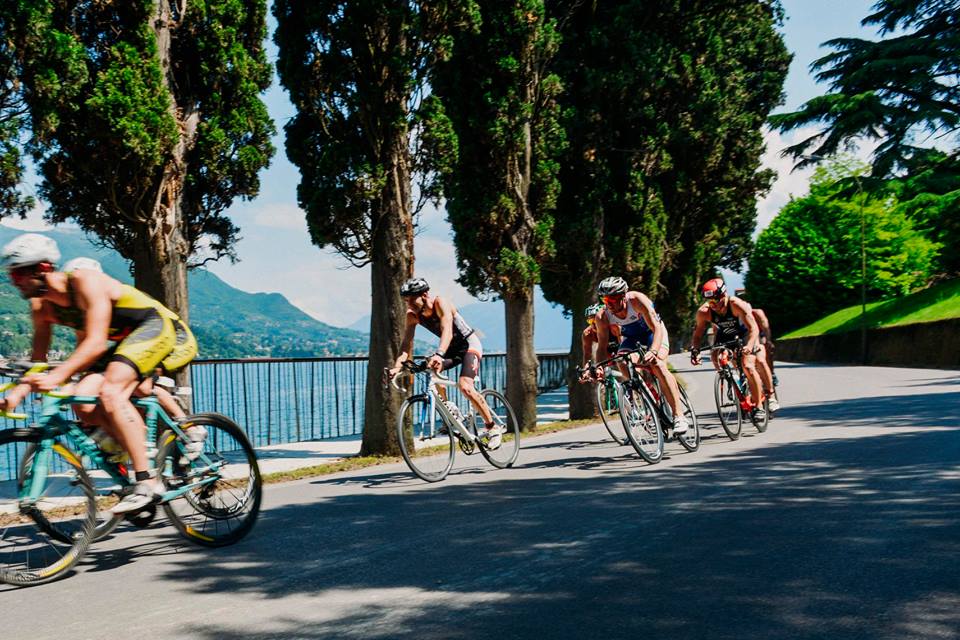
(924, 344)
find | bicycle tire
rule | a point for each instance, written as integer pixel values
(728, 405)
(691, 439)
(608, 405)
(106, 521)
(68, 500)
(224, 511)
(641, 424)
(506, 454)
(424, 426)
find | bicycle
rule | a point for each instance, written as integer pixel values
(428, 425)
(644, 410)
(730, 392)
(51, 509)
(607, 394)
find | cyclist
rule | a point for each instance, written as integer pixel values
(99, 308)
(459, 344)
(591, 344)
(766, 339)
(733, 318)
(639, 325)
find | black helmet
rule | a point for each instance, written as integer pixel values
(414, 287)
(612, 286)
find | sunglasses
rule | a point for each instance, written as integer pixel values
(21, 274)
(614, 298)
(591, 320)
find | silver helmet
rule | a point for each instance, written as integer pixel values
(29, 249)
(612, 286)
(414, 287)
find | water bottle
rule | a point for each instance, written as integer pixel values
(454, 410)
(111, 449)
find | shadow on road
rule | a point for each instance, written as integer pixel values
(838, 538)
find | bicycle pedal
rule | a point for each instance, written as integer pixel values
(142, 517)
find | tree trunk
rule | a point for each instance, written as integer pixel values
(579, 396)
(521, 358)
(391, 264)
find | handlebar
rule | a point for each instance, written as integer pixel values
(18, 370)
(418, 365)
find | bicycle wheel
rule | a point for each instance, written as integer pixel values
(504, 455)
(728, 406)
(29, 555)
(426, 442)
(609, 406)
(691, 439)
(104, 487)
(224, 505)
(640, 421)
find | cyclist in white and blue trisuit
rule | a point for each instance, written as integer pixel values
(640, 326)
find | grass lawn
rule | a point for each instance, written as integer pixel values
(936, 303)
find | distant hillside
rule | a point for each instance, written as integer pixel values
(228, 322)
(551, 329)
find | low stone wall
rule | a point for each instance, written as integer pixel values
(924, 344)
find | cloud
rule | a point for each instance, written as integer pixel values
(280, 215)
(33, 222)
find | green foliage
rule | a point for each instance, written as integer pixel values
(109, 126)
(663, 105)
(939, 302)
(356, 105)
(894, 90)
(496, 136)
(12, 122)
(808, 261)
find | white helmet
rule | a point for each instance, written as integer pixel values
(612, 286)
(29, 249)
(82, 263)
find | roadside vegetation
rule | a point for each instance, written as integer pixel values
(939, 302)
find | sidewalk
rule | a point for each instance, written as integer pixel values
(551, 406)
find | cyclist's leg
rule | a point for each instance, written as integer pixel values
(766, 376)
(89, 414)
(468, 373)
(668, 382)
(749, 363)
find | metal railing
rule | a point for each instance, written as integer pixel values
(279, 400)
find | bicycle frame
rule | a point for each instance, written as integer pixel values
(724, 353)
(433, 395)
(52, 424)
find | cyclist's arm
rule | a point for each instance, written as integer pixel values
(587, 341)
(445, 311)
(42, 331)
(41, 344)
(702, 319)
(644, 305)
(406, 345)
(603, 333)
(764, 323)
(743, 310)
(94, 298)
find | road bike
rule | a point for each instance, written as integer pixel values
(644, 409)
(428, 425)
(57, 484)
(607, 393)
(731, 392)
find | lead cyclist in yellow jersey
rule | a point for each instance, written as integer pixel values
(100, 309)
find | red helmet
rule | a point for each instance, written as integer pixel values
(713, 289)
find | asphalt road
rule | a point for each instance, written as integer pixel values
(842, 521)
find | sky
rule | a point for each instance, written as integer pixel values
(276, 255)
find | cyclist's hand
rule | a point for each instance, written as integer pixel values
(650, 357)
(436, 363)
(694, 357)
(585, 376)
(43, 382)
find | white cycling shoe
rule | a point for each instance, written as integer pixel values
(198, 437)
(493, 434)
(144, 493)
(680, 426)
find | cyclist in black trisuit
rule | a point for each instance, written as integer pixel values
(459, 345)
(733, 319)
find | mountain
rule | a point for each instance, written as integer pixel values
(228, 322)
(551, 328)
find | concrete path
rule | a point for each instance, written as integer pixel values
(842, 521)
